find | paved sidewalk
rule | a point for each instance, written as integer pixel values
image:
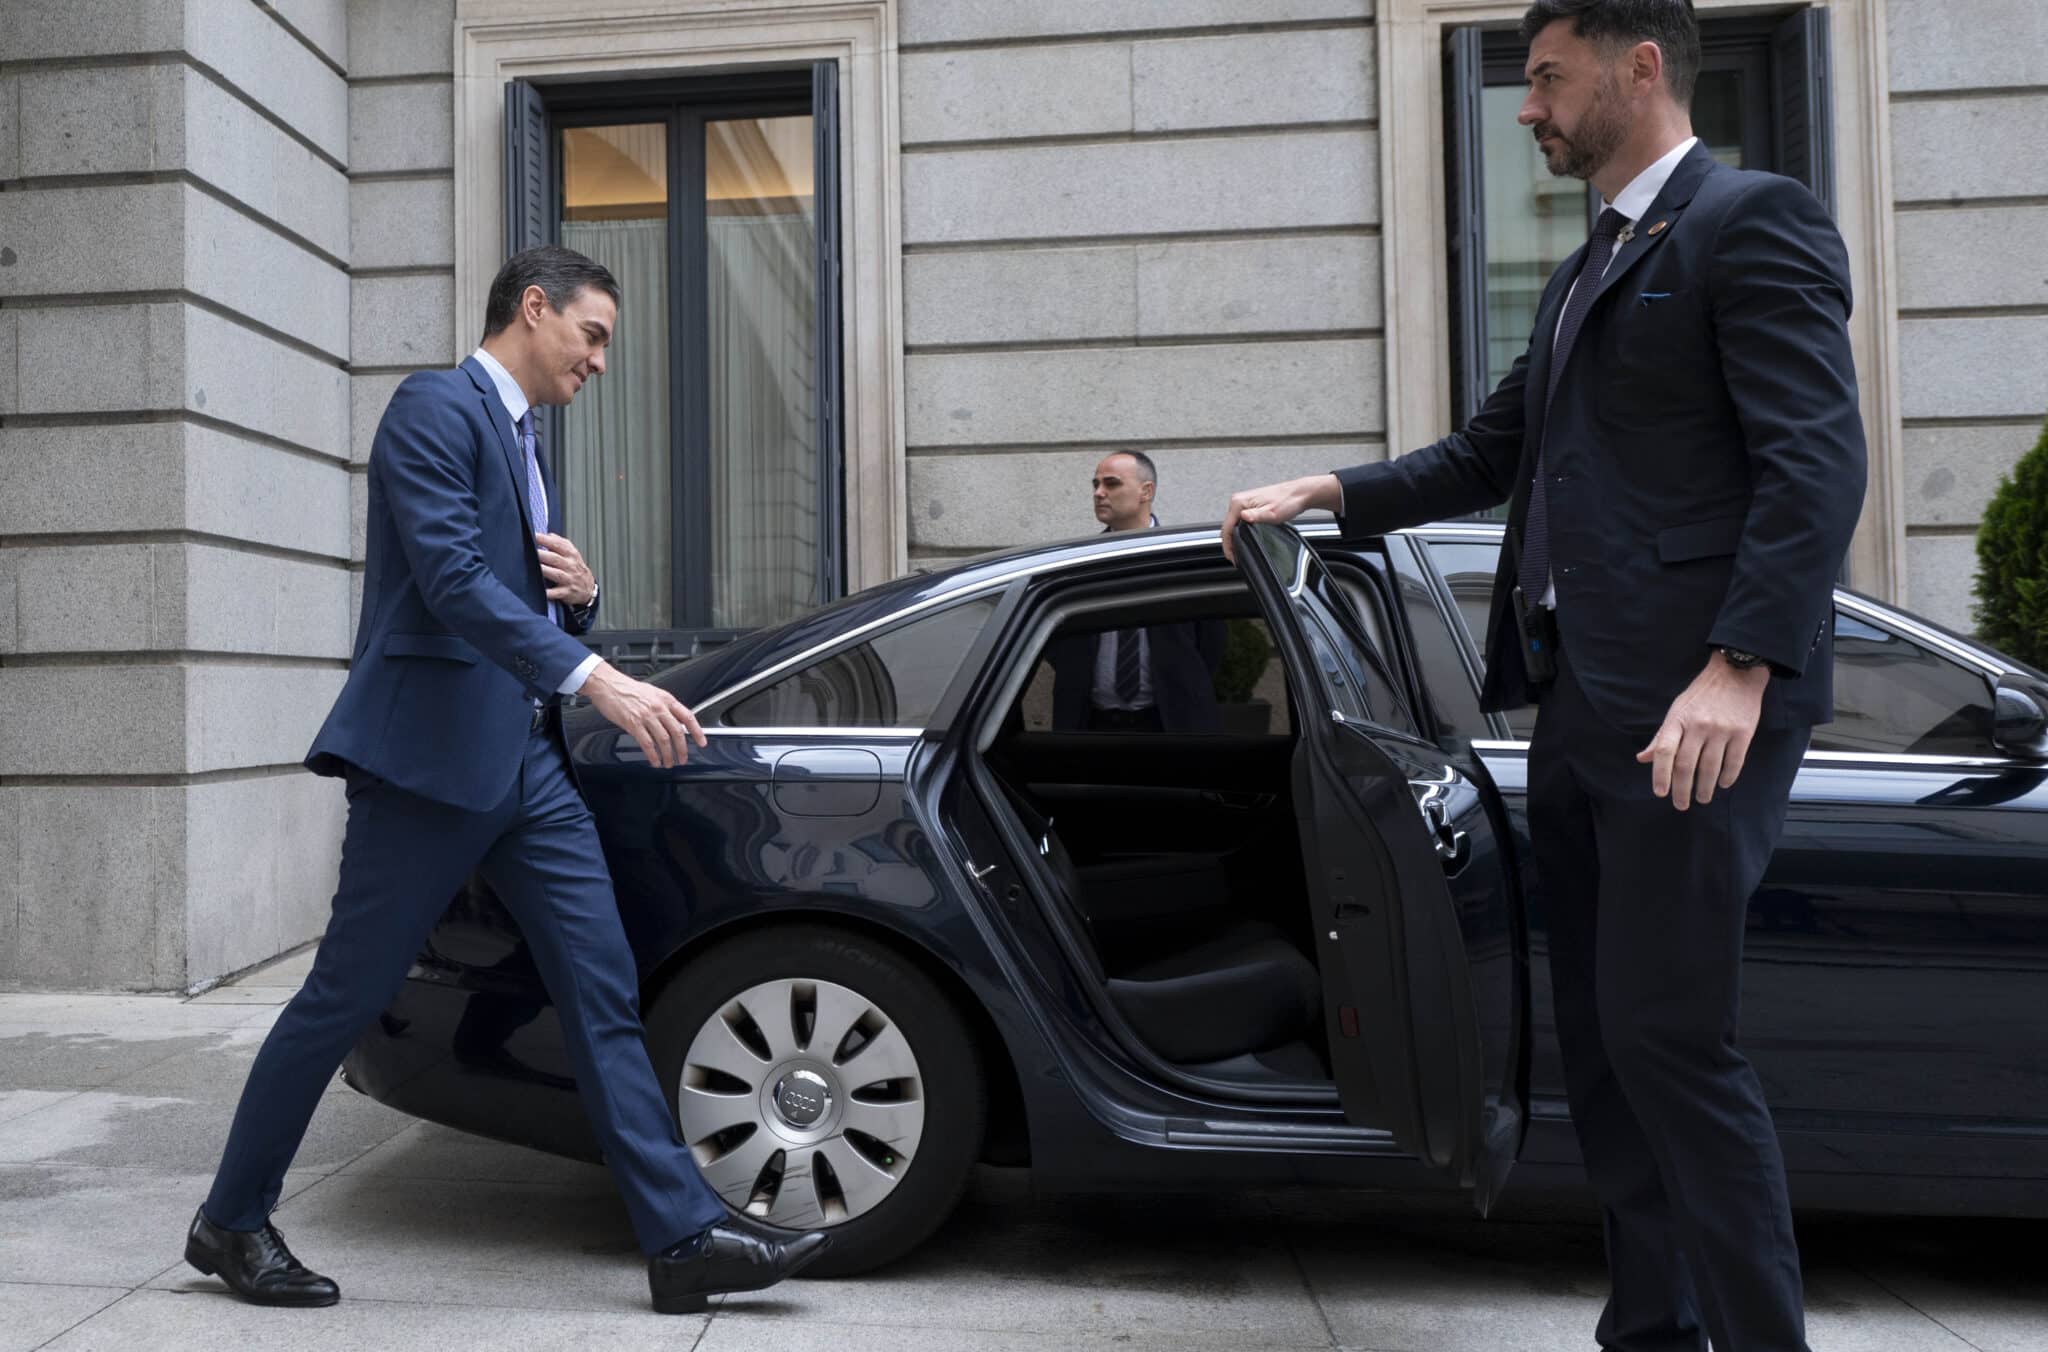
(113, 1110)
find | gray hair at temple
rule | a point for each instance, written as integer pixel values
(561, 274)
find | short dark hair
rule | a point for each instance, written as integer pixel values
(560, 274)
(1148, 473)
(1623, 23)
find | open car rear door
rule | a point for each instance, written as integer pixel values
(1422, 992)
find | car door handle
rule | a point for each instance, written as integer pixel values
(1450, 842)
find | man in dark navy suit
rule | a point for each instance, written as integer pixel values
(1684, 457)
(448, 733)
(1155, 678)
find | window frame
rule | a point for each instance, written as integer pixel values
(685, 104)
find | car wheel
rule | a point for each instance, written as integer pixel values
(822, 1082)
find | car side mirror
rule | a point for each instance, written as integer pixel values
(2019, 719)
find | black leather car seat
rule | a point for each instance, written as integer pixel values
(1200, 997)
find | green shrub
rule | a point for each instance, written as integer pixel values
(1246, 650)
(2012, 561)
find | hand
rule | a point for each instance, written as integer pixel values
(1706, 736)
(1279, 502)
(568, 576)
(663, 725)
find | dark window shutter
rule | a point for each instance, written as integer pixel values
(1801, 91)
(831, 430)
(529, 170)
(530, 219)
(1465, 179)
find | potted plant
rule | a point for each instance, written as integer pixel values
(1246, 653)
(2012, 561)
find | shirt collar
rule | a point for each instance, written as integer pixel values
(1636, 199)
(508, 388)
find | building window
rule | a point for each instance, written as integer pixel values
(1761, 103)
(701, 476)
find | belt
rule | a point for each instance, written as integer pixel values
(540, 717)
(1125, 718)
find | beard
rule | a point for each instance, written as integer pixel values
(1600, 133)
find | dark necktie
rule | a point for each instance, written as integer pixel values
(1127, 667)
(1535, 571)
(536, 496)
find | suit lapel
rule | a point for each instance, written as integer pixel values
(1543, 347)
(501, 422)
(1656, 224)
(1648, 233)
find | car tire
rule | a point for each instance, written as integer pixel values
(705, 996)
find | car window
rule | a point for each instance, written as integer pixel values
(1243, 693)
(1893, 695)
(894, 680)
(1451, 693)
(1468, 567)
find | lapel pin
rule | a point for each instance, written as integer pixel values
(1658, 227)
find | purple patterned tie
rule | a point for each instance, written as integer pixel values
(536, 496)
(1535, 570)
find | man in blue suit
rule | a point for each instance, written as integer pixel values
(448, 734)
(1683, 454)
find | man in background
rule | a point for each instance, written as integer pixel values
(1155, 678)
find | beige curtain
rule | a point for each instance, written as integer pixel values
(615, 469)
(764, 435)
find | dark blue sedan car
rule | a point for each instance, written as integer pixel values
(900, 916)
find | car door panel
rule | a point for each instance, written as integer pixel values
(1387, 824)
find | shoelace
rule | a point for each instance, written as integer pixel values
(274, 1252)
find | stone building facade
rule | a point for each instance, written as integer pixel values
(1213, 229)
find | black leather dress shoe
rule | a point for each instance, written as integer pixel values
(726, 1258)
(256, 1265)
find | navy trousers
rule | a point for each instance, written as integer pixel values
(402, 858)
(1647, 907)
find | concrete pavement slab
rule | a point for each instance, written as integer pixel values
(288, 972)
(182, 1134)
(16, 1102)
(1848, 1312)
(1981, 1279)
(748, 1333)
(31, 1315)
(1197, 1273)
(164, 1321)
(83, 1042)
(245, 995)
(104, 1227)
(482, 1244)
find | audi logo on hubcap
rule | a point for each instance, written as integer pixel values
(802, 1097)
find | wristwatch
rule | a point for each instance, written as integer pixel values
(1739, 659)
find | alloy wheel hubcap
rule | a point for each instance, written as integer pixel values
(802, 1102)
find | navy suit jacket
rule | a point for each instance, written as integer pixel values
(1184, 660)
(454, 644)
(1705, 450)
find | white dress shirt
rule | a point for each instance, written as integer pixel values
(516, 404)
(1104, 694)
(1631, 202)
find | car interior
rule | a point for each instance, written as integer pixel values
(1172, 857)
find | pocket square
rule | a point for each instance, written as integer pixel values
(1652, 297)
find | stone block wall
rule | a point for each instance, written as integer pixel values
(401, 209)
(174, 445)
(1147, 224)
(1970, 176)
